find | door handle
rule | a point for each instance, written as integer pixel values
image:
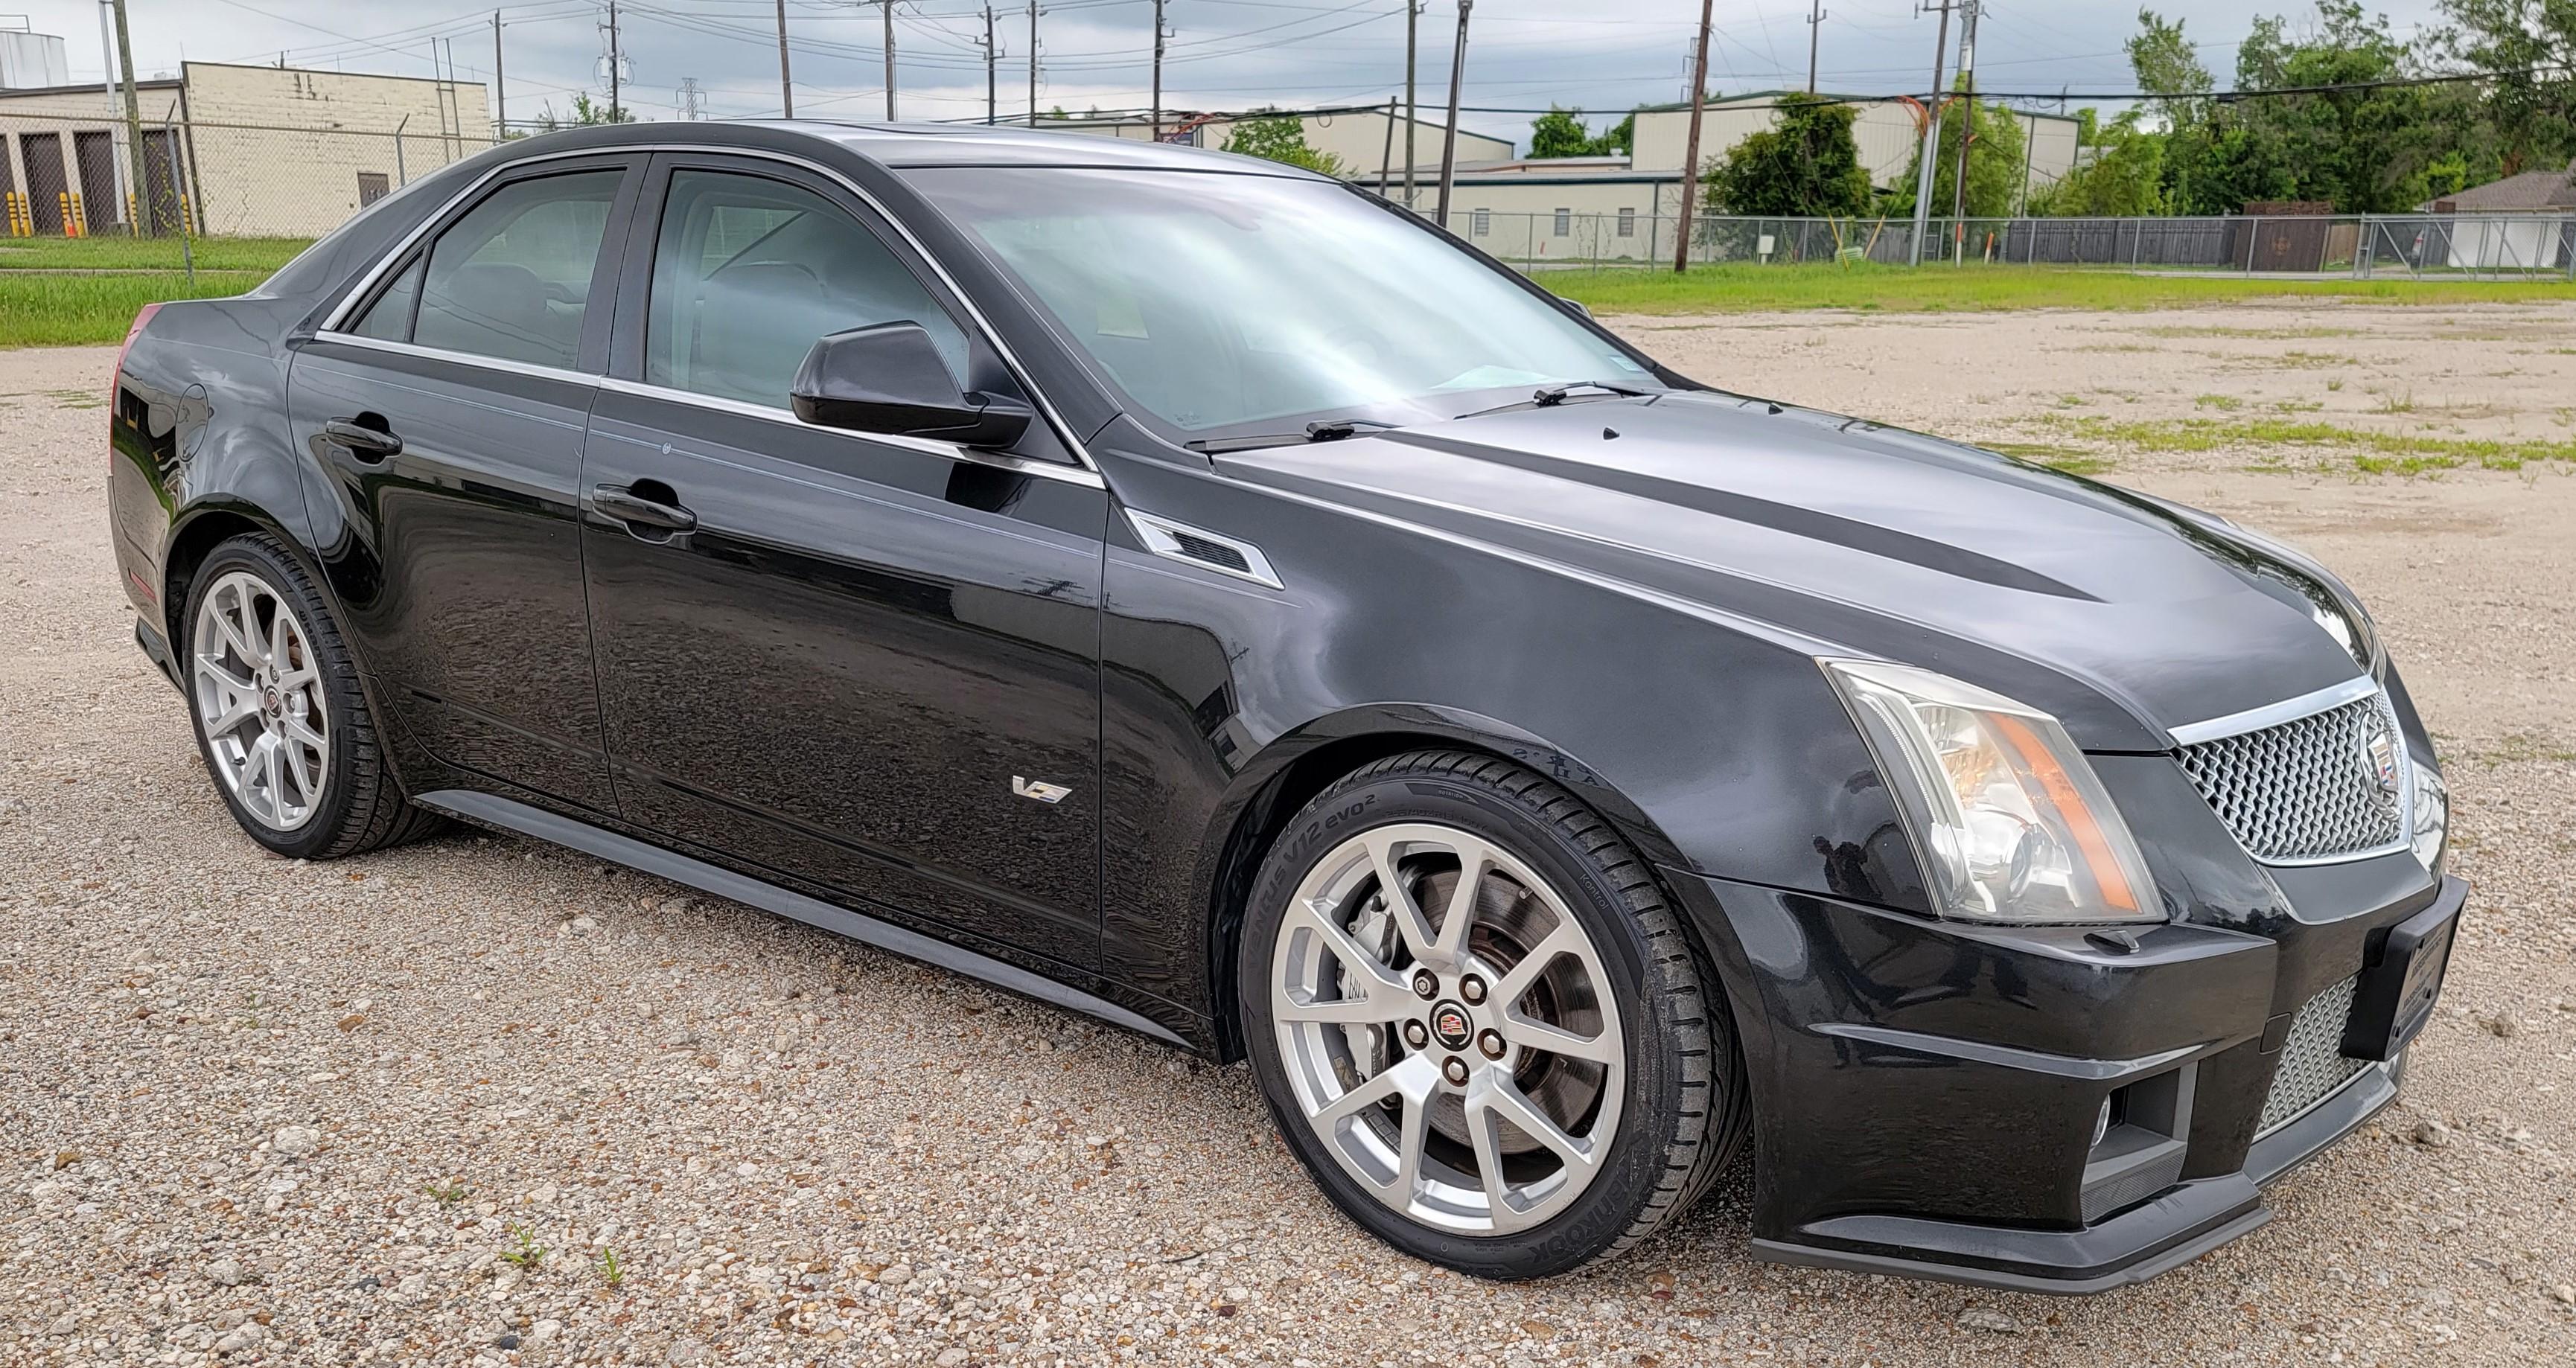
(365, 443)
(637, 510)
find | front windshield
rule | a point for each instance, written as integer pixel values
(1216, 301)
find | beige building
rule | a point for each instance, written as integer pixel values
(1591, 208)
(252, 150)
(1366, 140)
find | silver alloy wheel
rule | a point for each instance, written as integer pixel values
(258, 694)
(1448, 1028)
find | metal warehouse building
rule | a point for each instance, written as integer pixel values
(244, 150)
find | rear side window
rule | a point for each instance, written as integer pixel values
(389, 318)
(748, 272)
(512, 277)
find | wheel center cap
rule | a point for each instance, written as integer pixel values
(1451, 1026)
(274, 702)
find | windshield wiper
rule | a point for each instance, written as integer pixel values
(1549, 396)
(1321, 430)
(1553, 395)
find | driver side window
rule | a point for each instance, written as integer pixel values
(748, 272)
(510, 279)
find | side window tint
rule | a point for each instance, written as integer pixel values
(511, 278)
(389, 318)
(748, 272)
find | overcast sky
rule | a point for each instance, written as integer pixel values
(1094, 53)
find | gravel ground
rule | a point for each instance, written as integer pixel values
(480, 1100)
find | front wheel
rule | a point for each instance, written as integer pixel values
(1477, 1021)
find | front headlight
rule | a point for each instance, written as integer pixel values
(2012, 823)
(2432, 816)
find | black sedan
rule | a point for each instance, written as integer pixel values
(1200, 594)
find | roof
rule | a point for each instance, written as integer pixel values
(1838, 97)
(89, 88)
(921, 145)
(2530, 190)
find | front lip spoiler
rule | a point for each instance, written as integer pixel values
(2144, 1242)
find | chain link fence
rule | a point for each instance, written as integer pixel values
(2496, 246)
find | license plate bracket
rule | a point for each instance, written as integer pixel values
(2395, 997)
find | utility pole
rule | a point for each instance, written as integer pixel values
(1967, 126)
(1159, 36)
(1449, 137)
(1931, 152)
(134, 121)
(888, 7)
(786, 96)
(1033, 63)
(1815, 28)
(1690, 145)
(1412, 120)
(691, 100)
(612, 62)
(500, 102)
(992, 54)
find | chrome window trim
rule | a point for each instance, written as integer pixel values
(2274, 714)
(349, 300)
(1162, 537)
(2327, 699)
(1045, 470)
(498, 363)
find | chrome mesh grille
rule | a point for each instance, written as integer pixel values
(2307, 789)
(2313, 1063)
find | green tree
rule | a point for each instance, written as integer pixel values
(1806, 164)
(2167, 66)
(1560, 132)
(2123, 178)
(1281, 138)
(1995, 164)
(585, 114)
(2533, 114)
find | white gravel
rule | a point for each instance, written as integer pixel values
(415, 1108)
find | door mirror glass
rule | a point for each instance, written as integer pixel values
(891, 379)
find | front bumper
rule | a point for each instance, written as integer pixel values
(1925, 1094)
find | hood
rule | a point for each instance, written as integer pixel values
(2121, 614)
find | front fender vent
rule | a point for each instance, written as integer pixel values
(1204, 549)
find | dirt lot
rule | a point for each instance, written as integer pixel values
(405, 1109)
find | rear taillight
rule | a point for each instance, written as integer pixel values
(115, 378)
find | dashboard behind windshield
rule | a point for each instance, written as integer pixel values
(1216, 301)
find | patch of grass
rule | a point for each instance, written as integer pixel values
(2074, 463)
(1743, 288)
(2262, 334)
(2302, 360)
(2297, 406)
(448, 1195)
(2224, 403)
(43, 310)
(260, 254)
(2403, 453)
(2394, 404)
(609, 1268)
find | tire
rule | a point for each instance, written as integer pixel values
(290, 746)
(1406, 1107)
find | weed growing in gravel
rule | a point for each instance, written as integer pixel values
(2304, 360)
(2394, 404)
(528, 1254)
(2333, 386)
(2224, 403)
(446, 1196)
(609, 1268)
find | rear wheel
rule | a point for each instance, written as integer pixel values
(1478, 1023)
(279, 717)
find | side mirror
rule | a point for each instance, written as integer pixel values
(890, 378)
(1574, 306)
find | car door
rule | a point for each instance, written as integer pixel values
(447, 405)
(868, 663)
